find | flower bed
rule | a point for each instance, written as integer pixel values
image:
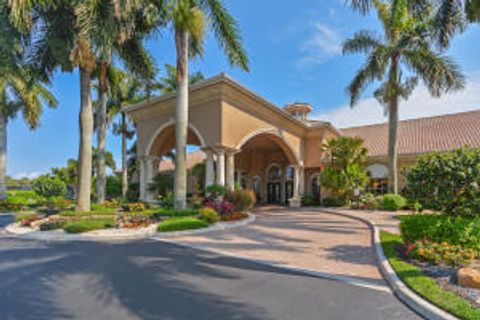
(182, 223)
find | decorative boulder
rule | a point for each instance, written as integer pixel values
(468, 277)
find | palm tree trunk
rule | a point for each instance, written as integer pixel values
(392, 130)
(85, 151)
(181, 119)
(124, 157)
(101, 141)
(3, 157)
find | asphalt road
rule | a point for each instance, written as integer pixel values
(153, 280)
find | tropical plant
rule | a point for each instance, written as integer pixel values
(188, 19)
(407, 47)
(345, 172)
(49, 187)
(21, 90)
(168, 83)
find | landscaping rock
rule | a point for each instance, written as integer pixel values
(468, 277)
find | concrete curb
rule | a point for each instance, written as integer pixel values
(400, 289)
(219, 226)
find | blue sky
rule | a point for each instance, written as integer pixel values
(295, 55)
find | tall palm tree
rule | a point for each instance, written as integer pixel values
(20, 90)
(188, 19)
(114, 34)
(407, 47)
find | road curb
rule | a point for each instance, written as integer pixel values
(399, 288)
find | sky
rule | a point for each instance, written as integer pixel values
(295, 54)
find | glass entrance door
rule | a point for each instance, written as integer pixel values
(274, 193)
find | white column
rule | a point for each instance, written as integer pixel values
(296, 182)
(301, 188)
(221, 167)
(209, 172)
(142, 178)
(150, 172)
(230, 171)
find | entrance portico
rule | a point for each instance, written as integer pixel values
(246, 139)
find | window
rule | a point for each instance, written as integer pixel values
(274, 173)
(378, 174)
(290, 173)
(315, 186)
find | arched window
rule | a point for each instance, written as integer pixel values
(274, 173)
(378, 174)
(290, 173)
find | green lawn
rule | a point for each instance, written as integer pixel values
(73, 213)
(181, 223)
(423, 285)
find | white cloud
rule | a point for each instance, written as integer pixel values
(29, 175)
(420, 104)
(323, 45)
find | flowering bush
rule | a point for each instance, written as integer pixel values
(223, 207)
(132, 222)
(436, 253)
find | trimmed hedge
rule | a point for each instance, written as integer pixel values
(441, 228)
(183, 223)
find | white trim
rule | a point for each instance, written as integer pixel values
(170, 123)
(272, 132)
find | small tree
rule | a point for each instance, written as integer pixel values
(345, 171)
(49, 187)
(447, 181)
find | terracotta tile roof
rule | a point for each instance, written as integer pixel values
(440, 133)
(192, 159)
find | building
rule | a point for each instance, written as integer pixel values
(247, 140)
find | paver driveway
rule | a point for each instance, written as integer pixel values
(309, 239)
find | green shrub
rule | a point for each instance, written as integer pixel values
(98, 212)
(52, 225)
(170, 212)
(393, 202)
(183, 223)
(167, 201)
(49, 187)
(448, 182)
(209, 215)
(88, 225)
(309, 200)
(333, 202)
(436, 253)
(371, 201)
(215, 190)
(113, 187)
(135, 206)
(441, 228)
(242, 199)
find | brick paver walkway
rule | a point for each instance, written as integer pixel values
(309, 239)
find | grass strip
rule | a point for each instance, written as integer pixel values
(425, 286)
(182, 223)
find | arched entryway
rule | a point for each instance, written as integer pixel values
(160, 152)
(270, 167)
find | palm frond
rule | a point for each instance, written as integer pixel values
(363, 41)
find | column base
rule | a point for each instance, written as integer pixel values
(295, 202)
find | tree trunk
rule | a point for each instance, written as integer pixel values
(124, 156)
(3, 157)
(85, 150)
(101, 114)
(181, 119)
(392, 130)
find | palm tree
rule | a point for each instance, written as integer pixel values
(168, 83)
(114, 34)
(20, 90)
(188, 18)
(407, 45)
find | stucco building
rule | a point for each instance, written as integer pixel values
(245, 139)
